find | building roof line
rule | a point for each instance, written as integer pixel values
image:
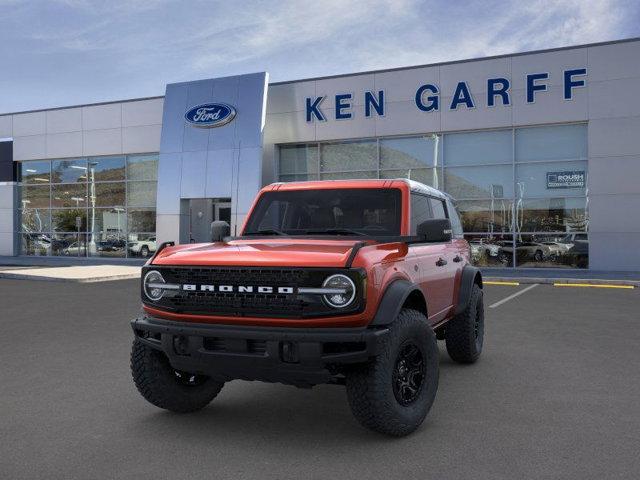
(97, 104)
(466, 60)
(367, 72)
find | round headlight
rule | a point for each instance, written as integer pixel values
(345, 291)
(150, 282)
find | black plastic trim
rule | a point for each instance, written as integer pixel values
(317, 360)
(354, 251)
(392, 301)
(469, 275)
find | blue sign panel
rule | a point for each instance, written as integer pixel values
(568, 179)
(210, 115)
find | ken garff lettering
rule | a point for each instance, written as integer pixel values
(427, 96)
(210, 115)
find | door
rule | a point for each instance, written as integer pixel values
(200, 218)
(433, 260)
(457, 234)
(222, 211)
(203, 211)
(449, 259)
(439, 262)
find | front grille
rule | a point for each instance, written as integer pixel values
(252, 347)
(289, 305)
(237, 276)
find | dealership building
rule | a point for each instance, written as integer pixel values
(541, 151)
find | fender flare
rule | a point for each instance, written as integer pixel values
(392, 300)
(470, 276)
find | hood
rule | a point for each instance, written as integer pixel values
(287, 252)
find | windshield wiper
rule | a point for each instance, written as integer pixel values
(266, 231)
(335, 231)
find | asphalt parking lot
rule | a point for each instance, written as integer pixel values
(555, 395)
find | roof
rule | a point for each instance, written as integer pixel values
(357, 183)
(424, 189)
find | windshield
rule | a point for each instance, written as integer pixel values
(352, 212)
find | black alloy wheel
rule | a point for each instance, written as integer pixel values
(408, 374)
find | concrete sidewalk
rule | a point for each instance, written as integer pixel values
(34, 261)
(551, 276)
(77, 273)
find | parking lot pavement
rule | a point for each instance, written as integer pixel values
(555, 395)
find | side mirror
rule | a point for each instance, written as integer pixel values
(435, 230)
(219, 230)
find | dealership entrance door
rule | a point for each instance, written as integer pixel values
(203, 211)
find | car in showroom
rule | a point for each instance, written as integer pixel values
(348, 282)
(75, 249)
(142, 247)
(525, 252)
(483, 249)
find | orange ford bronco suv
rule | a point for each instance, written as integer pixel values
(346, 282)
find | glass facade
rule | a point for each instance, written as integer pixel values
(94, 206)
(522, 193)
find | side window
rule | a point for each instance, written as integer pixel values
(456, 224)
(420, 211)
(437, 206)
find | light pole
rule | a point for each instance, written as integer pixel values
(118, 211)
(436, 141)
(92, 196)
(91, 170)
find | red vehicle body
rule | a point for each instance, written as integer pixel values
(394, 266)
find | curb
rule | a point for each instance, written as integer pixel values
(551, 281)
(19, 276)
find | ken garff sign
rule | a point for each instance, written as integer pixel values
(567, 179)
(427, 96)
(210, 115)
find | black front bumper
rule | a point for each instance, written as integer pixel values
(297, 356)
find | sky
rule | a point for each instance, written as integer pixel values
(69, 52)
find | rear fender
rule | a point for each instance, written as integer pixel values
(470, 276)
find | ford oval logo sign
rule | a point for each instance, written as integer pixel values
(210, 115)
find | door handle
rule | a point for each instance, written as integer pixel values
(457, 258)
(441, 262)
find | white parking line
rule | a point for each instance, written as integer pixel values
(511, 297)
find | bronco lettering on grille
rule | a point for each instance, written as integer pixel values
(191, 287)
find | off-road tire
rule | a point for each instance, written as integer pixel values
(370, 387)
(144, 251)
(158, 383)
(464, 334)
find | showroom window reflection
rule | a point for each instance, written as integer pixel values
(91, 206)
(522, 193)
